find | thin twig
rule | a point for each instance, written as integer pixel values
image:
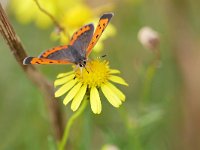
(61, 29)
(49, 15)
(17, 49)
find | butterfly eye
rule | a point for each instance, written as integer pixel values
(80, 65)
(84, 62)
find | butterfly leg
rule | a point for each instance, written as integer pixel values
(75, 69)
(88, 66)
(81, 71)
(101, 57)
(86, 69)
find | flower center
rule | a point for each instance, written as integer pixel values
(96, 74)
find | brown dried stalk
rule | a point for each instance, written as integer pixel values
(17, 49)
(186, 50)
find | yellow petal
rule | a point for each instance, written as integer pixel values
(78, 98)
(111, 96)
(114, 71)
(64, 74)
(95, 101)
(116, 91)
(72, 93)
(63, 80)
(117, 79)
(66, 87)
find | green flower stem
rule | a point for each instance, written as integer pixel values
(70, 122)
(149, 75)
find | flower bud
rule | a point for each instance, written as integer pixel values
(148, 38)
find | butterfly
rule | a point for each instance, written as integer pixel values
(78, 49)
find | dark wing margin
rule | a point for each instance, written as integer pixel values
(35, 60)
(103, 22)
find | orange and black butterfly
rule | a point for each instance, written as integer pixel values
(79, 48)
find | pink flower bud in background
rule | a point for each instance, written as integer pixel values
(148, 38)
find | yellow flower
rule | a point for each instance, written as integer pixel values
(98, 76)
(27, 11)
(77, 16)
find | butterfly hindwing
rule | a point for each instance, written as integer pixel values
(81, 38)
(35, 60)
(59, 53)
(103, 22)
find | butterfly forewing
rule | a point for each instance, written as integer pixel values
(50, 52)
(81, 38)
(103, 22)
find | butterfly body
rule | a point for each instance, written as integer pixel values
(79, 48)
(78, 57)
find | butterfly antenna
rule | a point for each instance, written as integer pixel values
(103, 55)
(86, 69)
(81, 70)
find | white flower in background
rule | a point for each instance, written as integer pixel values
(149, 38)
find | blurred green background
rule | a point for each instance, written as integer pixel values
(157, 112)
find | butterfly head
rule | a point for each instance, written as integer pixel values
(82, 63)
